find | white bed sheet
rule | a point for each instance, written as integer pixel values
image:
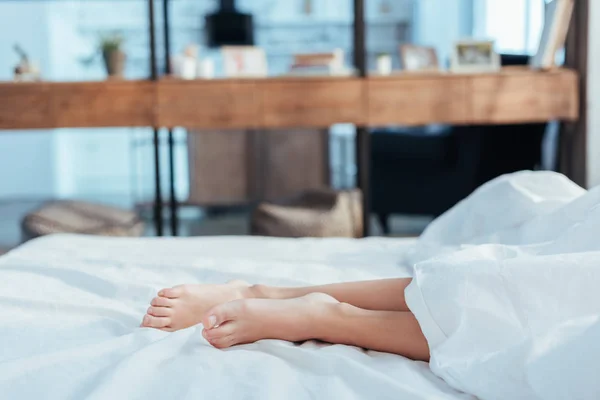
(70, 307)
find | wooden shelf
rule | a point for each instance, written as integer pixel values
(512, 96)
(77, 104)
(231, 104)
(515, 95)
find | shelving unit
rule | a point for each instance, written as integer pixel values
(512, 96)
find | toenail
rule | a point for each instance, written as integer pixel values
(146, 320)
(204, 334)
(212, 321)
(149, 310)
(161, 293)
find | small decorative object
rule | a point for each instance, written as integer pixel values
(189, 65)
(419, 58)
(385, 7)
(206, 69)
(556, 24)
(244, 62)
(384, 64)
(25, 70)
(185, 65)
(113, 55)
(320, 64)
(472, 56)
(307, 7)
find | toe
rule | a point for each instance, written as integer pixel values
(160, 311)
(220, 332)
(222, 313)
(220, 338)
(156, 322)
(224, 342)
(162, 302)
(171, 293)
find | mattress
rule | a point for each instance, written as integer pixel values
(71, 306)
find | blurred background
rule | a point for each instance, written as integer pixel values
(413, 168)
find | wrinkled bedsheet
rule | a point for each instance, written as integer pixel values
(70, 307)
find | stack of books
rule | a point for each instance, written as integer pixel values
(320, 64)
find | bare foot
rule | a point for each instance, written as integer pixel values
(249, 320)
(183, 306)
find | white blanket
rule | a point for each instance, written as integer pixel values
(518, 317)
(70, 308)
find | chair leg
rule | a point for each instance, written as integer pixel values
(384, 221)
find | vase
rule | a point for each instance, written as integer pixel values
(384, 65)
(114, 61)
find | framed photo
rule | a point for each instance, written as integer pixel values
(472, 56)
(558, 14)
(244, 62)
(419, 58)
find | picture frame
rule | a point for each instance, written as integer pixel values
(557, 17)
(244, 62)
(419, 58)
(475, 56)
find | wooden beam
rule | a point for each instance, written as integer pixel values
(77, 104)
(512, 96)
(415, 99)
(26, 106)
(213, 104)
(99, 104)
(314, 103)
(522, 97)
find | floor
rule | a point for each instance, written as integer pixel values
(193, 223)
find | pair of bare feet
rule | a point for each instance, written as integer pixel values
(235, 313)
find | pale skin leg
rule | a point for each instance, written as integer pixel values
(382, 295)
(370, 314)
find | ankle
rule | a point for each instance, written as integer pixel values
(260, 292)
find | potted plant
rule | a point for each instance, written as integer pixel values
(113, 55)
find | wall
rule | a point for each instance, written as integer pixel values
(519, 36)
(442, 23)
(26, 158)
(593, 140)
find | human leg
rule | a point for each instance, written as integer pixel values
(183, 306)
(315, 316)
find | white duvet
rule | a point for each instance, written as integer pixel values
(517, 317)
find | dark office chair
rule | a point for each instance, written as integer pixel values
(427, 170)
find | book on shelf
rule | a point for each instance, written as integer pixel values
(316, 64)
(320, 71)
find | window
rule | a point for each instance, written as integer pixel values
(516, 25)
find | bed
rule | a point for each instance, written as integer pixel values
(71, 306)
(505, 290)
